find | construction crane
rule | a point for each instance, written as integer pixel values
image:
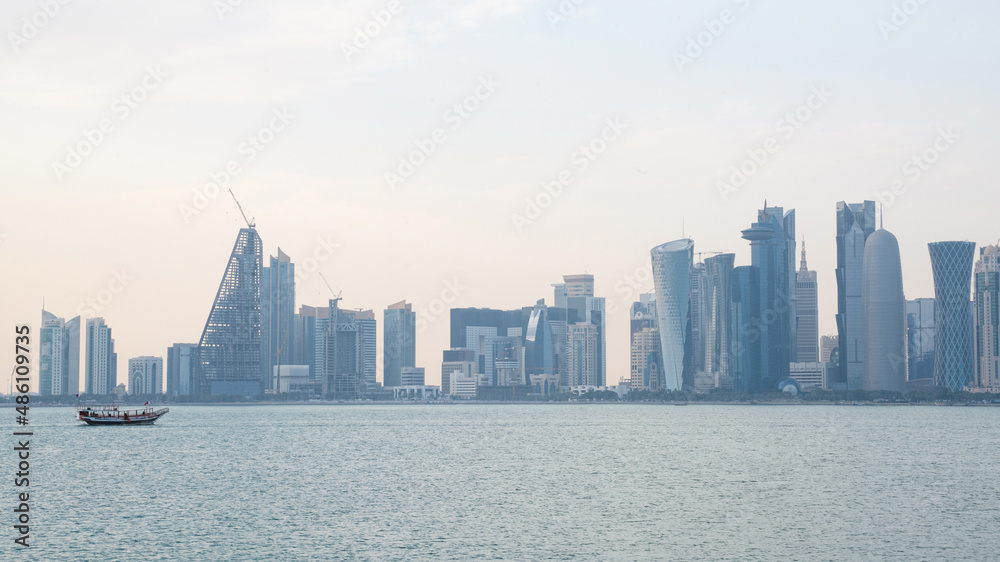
(699, 254)
(336, 296)
(250, 223)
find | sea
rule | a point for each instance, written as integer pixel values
(513, 482)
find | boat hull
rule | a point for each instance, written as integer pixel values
(102, 418)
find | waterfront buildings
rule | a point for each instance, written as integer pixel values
(145, 375)
(745, 339)
(828, 350)
(772, 250)
(582, 354)
(399, 344)
(102, 361)
(644, 345)
(806, 313)
(365, 319)
(182, 369)
(951, 264)
(459, 362)
(987, 318)
(673, 263)
(920, 339)
(718, 360)
(883, 314)
(277, 316)
(810, 375)
(343, 352)
(59, 356)
(230, 346)
(412, 376)
(855, 223)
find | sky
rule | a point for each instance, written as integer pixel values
(469, 154)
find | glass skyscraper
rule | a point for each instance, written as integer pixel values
(920, 339)
(884, 314)
(806, 313)
(987, 304)
(855, 223)
(399, 345)
(59, 356)
(673, 264)
(718, 330)
(744, 340)
(277, 316)
(951, 264)
(772, 251)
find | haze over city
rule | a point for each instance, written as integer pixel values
(314, 128)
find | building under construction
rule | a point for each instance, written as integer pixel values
(230, 346)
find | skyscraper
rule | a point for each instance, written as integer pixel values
(673, 263)
(230, 349)
(772, 251)
(582, 349)
(806, 313)
(644, 341)
(951, 264)
(343, 347)
(277, 316)
(745, 329)
(884, 315)
(855, 223)
(920, 339)
(59, 356)
(719, 269)
(182, 369)
(145, 375)
(365, 320)
(589, 309)
(987, 316)
(698, 308)
(102, 361)
(399, 347)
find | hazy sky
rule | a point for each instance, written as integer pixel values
(502, 94)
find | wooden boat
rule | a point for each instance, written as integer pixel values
(111, 415)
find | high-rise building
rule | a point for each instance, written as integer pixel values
(365, 320)
(951, 265)
(399, 347)
(343, 347)
(182, 369)
(102, 361)
(59, 356)
(312, 320)
(582, 349)
(644, 341)
(505, 360)
(673, 263)
(806, 313)
(277, 316)
(717, 340)
(230, 350)
(884, 315)
(987, 317)
(920, 339)
(828, 350)
(855, 223)
(457, 362)
(772, 250)
(745, 329)
(145, 375)
(561, 293)
(580, 285)
(589, 309)
(699, 325)
(412, 376)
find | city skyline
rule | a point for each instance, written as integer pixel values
(109, 238)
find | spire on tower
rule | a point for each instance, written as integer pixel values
(802, 264)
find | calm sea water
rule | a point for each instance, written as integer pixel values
(564, 482)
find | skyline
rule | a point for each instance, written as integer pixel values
(318, 190)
